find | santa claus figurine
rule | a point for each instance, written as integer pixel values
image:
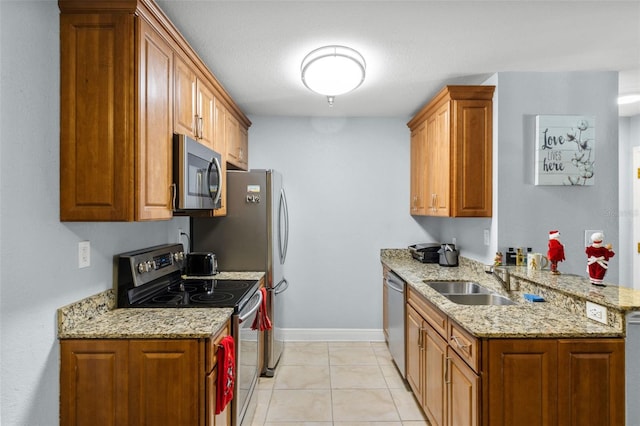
(556, 251)
(598, 256)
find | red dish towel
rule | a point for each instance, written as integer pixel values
(262, 321)
(226, 373)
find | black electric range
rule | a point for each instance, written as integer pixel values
(152, 278)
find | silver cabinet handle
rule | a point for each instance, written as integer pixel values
(460, 345)
(447, 373)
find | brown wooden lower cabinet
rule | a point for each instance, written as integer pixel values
(459, 379)
(567, 382)
(139, 382)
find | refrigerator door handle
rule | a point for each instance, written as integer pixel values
(284, 283)
(284, 209)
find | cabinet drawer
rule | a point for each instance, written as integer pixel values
(212, 348)
(430, 313)
(465, 345)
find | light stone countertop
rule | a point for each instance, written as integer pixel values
(525, 319)
(96, 317)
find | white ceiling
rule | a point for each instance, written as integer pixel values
(412, 48)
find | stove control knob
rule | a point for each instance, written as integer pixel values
(151, 265)
(178, 255)
(142, 267)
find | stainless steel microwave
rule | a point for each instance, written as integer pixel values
(197, 175)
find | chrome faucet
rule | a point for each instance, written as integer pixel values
(502, 275)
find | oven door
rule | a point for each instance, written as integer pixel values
(247, 357)
(197, 175)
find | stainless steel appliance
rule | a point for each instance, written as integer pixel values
(196, 175)
(253, 236)
(396, 315)
(201, 264)
(632, 366)
(152, 278)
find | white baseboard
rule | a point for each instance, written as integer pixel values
(332, 335)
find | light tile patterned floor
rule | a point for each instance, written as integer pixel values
(336, 383)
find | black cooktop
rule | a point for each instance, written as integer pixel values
(197, 293)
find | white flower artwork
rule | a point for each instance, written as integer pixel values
(565, 150)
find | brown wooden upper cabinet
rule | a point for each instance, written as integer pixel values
(128, 81)
(194, 104)
(451, 154)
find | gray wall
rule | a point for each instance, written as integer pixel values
(526, 212)
(38, 254)
(347, 181)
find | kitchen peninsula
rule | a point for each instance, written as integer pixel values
(523, 363)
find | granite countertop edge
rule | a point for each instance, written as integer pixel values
(97, 317)
(522, 320)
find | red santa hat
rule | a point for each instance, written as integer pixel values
(554, 234)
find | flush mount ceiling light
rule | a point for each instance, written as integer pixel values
(629, 99)
(333, 71)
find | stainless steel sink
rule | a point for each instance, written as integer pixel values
(479, 299)
(457, 287)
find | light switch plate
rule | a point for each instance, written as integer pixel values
(596, 312)
(84, 254)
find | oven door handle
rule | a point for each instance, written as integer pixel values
(253, 309)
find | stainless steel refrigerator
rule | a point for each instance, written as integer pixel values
(253, 236)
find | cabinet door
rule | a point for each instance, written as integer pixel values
(591, 382)
(97, 117)
(418, 166)
(438, 146)
(89, 368)
(472, 172)
(413, 352)
(435, 391)
(167, 382)
(244, 148)
(220, 146)
(185, 113)
(522, 382)
(206, 112)
(463, 392)
(154, 150)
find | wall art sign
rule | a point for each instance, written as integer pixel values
(565, 152)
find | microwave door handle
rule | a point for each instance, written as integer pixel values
(218, 194)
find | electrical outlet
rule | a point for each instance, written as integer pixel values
(596, 312)
(454, 241)
(84, 254)
(179, 239)
(487, 237)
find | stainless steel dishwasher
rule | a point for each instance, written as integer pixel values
(396, 317)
